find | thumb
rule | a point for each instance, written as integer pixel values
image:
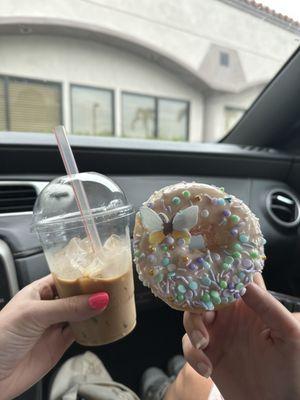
(70, 309)
(271, 311)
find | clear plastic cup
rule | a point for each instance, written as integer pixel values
(76, 266)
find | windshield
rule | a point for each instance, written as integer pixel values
(179, 71)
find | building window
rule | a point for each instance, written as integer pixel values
(232, 116)
(138, 116)
(224, 59)
(29, 105)
(173, 119)
(92, 111)
(152, 117)
(3, 121)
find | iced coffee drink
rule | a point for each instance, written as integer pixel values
(77, 264)
(77, 270)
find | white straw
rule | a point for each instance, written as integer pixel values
(79, 192)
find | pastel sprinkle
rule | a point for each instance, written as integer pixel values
(206, 297)
(176, 200)
(228, 199)
(225, 300)
(206, 265)
(171, 267)
(150, 205)
(242, 275)
(189, 295)
(237, 247)
(234, 232)
(236, 254)
(159, 277)
(226, 213)
(137, 253)
(181, 242)
(223, 284)
(253, 254)
(247, 263)
(199, 260)
(171, 274)
(244, 238)
(221, 202)
(225, 266)
(186, 194)
(215, 297)
(165, 261)
(210, 306)
(222, 189)
(204, 213)
(151, 258)
(239, 286)
(229, 259)
(164, 248)
(206, 281)
(243, 291)
(180, 297)
(263, 241)
(193, 285)
(193, 267)
(169, 240)
(181, 289)
(216, 257)
(234, 218)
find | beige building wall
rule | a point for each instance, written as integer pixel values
(179, 32)
(68, 61)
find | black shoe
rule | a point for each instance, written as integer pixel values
(175, 364)
(154, 384)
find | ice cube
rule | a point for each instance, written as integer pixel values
(78, 254)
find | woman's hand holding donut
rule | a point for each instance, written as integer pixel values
(251, 349)
(33, 335)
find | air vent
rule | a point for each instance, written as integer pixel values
(259, 149)
(16, 198)
(283, 207)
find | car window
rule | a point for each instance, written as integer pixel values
(177, 71)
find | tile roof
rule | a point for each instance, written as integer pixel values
(267, 10)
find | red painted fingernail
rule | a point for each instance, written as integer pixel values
(99, 301)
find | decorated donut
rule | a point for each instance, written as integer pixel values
(196, 246)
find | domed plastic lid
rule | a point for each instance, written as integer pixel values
(56, 206)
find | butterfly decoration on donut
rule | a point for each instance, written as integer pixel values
(196, 246)
(160, 225)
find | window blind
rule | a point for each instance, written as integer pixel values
(33, 106)
(2, 106)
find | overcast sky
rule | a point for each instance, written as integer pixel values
(286, 7)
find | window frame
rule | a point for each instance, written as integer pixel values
(6, 79)
(233, 108)
(113, 104)
(224, 59)
(156, 111)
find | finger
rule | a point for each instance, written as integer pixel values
(259, 280)
(76, 308)
(296, 315)
(196, 330)
(271, 311)
(196, 358)
(43, 288)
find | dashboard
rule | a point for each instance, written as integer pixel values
(22, 259)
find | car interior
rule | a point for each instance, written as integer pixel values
(258, 161)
